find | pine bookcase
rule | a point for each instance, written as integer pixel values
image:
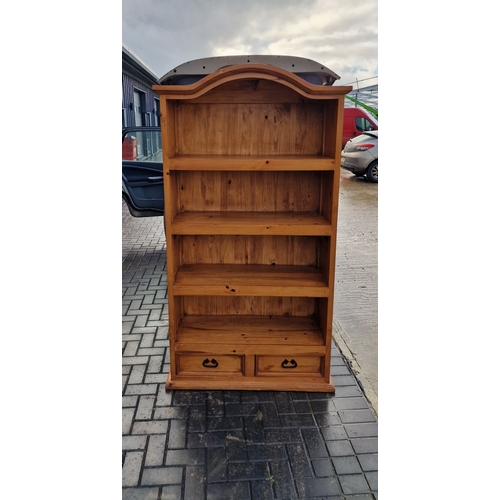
(251, 158)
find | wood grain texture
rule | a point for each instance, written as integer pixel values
(244, 279)
(249, 249)
(268, 162)
(252, 223)
(251, 166)
(250, 191)
(250, 305)
(305, 383)
(249, 129)
(250, 330)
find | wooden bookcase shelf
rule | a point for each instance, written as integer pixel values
(250, 279)
(257, 162)
(253, 331)
(252, 223)
(251, 158)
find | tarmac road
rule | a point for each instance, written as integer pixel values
(356, 287)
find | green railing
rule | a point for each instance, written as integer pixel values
(373, 111)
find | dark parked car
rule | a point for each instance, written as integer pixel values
(360, 155)
(142, 171)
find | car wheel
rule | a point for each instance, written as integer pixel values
(372, 172)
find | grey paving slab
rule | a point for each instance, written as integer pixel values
(156, 450)
(131, 469)
(161, 475)
(186, 445)
(140, 493)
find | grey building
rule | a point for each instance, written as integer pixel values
(140, 105)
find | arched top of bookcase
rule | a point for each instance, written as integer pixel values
(250, 72)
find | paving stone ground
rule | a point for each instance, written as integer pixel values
(217, 445)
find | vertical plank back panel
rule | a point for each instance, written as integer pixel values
(258, 306)
(250, 129)
(249, 191)
(240, 249)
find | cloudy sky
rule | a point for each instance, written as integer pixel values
(340, 34)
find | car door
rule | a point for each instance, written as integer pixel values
(142, 170)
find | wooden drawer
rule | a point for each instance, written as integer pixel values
(207, 365)
(289, 365)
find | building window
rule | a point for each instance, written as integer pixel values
(124, 117)
(156, 112)
(139, 108)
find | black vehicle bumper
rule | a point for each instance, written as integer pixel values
(353, 168)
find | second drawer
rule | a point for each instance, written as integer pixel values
(289, 365)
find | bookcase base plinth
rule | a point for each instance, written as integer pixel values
(249, 384)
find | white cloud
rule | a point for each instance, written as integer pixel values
(341, 35)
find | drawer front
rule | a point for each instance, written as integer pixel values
(196, 364)
(289, 365)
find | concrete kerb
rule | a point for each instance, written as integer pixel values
(355, 369)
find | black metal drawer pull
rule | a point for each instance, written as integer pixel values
(292, 362)
(210, 364)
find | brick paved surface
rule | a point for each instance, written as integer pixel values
(216, 445)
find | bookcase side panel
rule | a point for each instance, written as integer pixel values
(332, 127)
(325, 320)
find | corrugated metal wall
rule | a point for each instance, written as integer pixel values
(128, 86)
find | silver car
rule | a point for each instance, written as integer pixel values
(360, 155)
